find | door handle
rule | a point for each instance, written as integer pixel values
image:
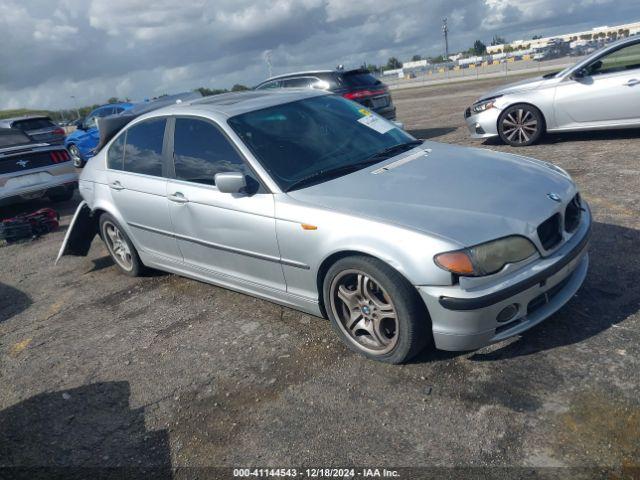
(632, 82)
(116, 185)
(178, 197)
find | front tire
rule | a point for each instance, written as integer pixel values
(374, 310)
(520, 125)
(120, 248)
(76, 156)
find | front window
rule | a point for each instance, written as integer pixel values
(317, 139)
(201, 151)
(627, 58)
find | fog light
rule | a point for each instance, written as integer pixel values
(507, 313)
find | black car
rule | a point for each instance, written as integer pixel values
(40, 128)
(358, 85)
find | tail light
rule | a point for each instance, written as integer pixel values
(59, 156)
(59, 131)
(363, 94)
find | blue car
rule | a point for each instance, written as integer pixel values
(82, 143)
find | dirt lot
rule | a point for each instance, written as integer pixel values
(99, 369)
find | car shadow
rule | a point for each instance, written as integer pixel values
(610, 294)
(84, 432)
(429, 133)
(12, 301)
(583, 136)
(589, 136)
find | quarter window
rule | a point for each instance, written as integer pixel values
(201, 151)
(115, 155)
(627, 58)
(143, 147)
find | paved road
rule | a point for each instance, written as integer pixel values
(105, 370)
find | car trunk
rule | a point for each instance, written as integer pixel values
(25, 158)
(365, 89)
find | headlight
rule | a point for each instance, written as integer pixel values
(486, 258)
(482, 106)
(485, 104)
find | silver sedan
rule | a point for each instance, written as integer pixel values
(312, 201)
(600, 92)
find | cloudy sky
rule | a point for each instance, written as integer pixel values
(96, 49)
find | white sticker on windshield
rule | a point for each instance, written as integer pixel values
(376, 123)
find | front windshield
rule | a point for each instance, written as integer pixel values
(302, 139)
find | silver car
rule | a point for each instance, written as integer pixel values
(31, 169)
(600, 92)
(312, 201)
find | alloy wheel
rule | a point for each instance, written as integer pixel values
(75, 155)
(118, 246)
(519, 125)
(365, 312)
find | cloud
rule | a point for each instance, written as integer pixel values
(96, 49)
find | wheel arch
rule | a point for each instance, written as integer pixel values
(528, 104)
(330, 260)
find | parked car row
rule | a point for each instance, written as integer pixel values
(304, 192)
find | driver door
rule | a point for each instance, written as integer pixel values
(608, 93)
(231, 236)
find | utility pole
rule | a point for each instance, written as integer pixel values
(445, 32)
(267, 59)
(75, 104)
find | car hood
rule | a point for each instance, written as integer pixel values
(517, 87)
(464, 195)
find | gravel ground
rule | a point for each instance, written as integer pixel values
(99, 369)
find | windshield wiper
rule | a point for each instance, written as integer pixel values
(394, 150)
(352, 167)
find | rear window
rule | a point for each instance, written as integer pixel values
(359, 79)
(33, 124)
(9, 138)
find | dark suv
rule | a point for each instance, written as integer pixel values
(358, 85)
(39, 128)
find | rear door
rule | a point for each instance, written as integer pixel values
(232, 235)
(608, 94)
(136, 175)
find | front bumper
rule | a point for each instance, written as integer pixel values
(468, 320)
(483, 124)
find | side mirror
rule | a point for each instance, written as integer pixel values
(580, 73)
(230, 182)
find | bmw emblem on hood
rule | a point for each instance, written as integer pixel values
(554, 196)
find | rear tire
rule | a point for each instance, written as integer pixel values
(120, 247)
(520, 125)
(374, 310)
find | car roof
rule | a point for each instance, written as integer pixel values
(120, 104)
(24, 117)
(296, 74)
(236, 103)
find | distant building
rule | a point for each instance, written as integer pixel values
(593, 34)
